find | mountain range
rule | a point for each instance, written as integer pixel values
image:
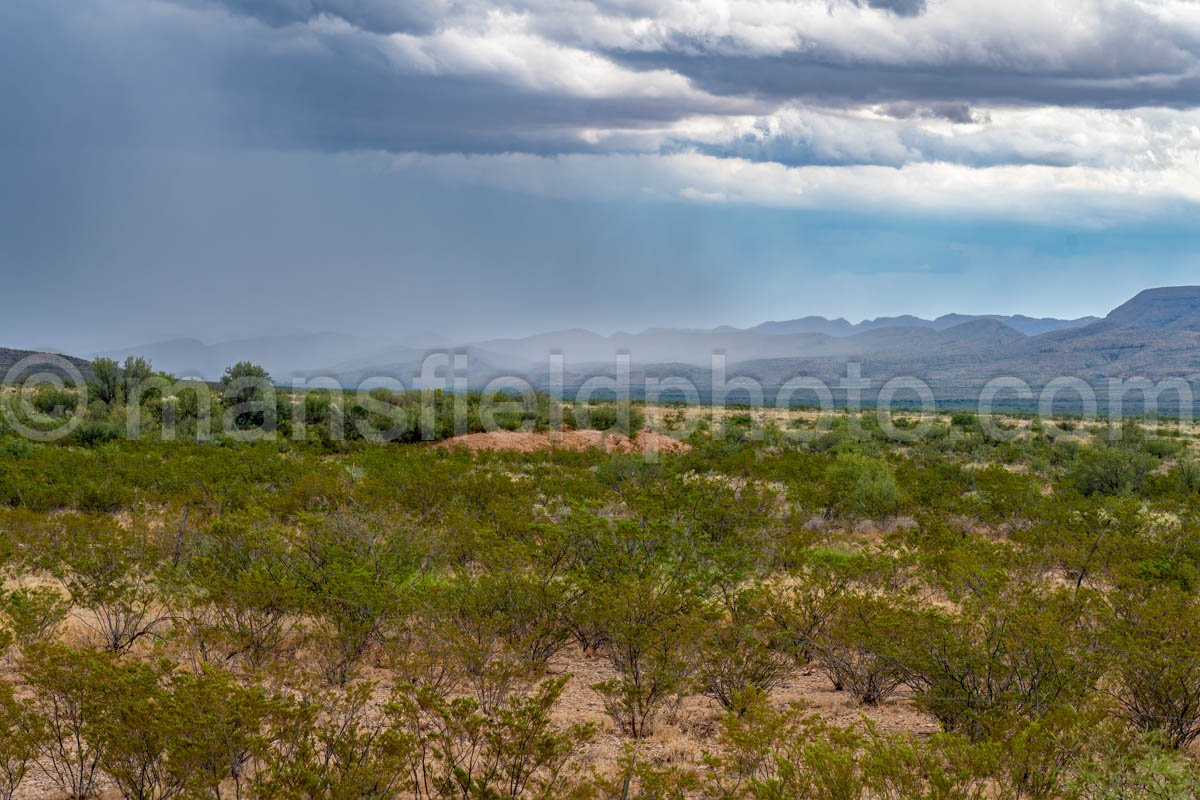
(1155, 335)
(341, 356)
(1030, 326)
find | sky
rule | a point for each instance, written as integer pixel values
(221, 169)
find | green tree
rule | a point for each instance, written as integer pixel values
(137, 371)
(249, 396)
(108, 385)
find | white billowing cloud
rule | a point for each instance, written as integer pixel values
(1023, 35)
(1124, 41)
(1149, 138)
(989, 107)
(505, 51)
(1078, 195)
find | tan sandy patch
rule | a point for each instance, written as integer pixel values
(530, 442)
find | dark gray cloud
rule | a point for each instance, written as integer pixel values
(903, 8)
(195, 167)
(380, 16)
(954, 111)
(180, 80)
(268, 76)
(808, 79)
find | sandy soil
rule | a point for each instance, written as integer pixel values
(681, 735)
(530, 442)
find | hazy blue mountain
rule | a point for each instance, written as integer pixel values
(1030, 326)
(283, 356)
(1155, 334)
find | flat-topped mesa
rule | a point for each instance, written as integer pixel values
(1172, 307)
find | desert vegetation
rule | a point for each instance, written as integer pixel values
(843, 617)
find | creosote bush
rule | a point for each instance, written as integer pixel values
(326, 618)
(863, 485)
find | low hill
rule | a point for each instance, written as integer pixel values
(10, 358)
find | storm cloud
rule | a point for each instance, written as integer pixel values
(1080, 114)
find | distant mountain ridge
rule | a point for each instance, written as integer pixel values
(1155, 334)
(280, 355)
(1030, 326)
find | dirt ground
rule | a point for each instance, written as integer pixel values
(681, 735)
(530, 441)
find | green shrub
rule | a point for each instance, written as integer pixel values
(1110, 470)
(966, 421)
(1163, 448)
(34, 612)
(68, 697)
(91, 433)
(1159, 670)
(1124, 771)
(457, 751)
(857, 646)
(354, 575)
(1188, 473)
(223, 729)
(238, 592)
(610, 417)
(746, 650)
(106, 570)
(15, 448)
(54, 402)
(1013, 654)
(22, 735)
(863, 485)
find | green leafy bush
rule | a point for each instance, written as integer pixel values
(34, 612)
(22, 736)
(863, 485)
(1110, 470)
